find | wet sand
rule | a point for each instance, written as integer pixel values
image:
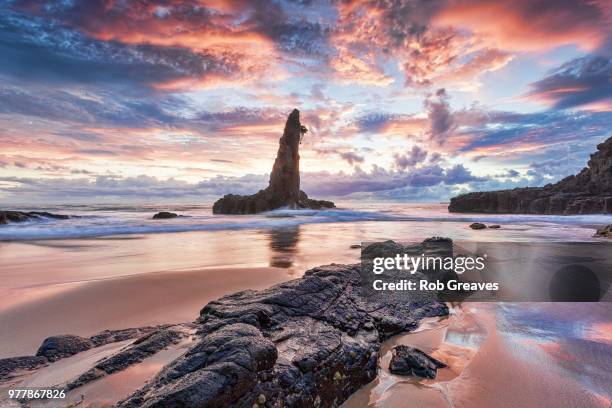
(489, 366)
(85, 308)
(83, 286)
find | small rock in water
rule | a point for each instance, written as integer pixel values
(495, 226)
(605, 232)
(411, 361)
(7, 217)
(355, 246)
(163, 215)
(477, 226)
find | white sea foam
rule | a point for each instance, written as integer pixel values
(96, 221)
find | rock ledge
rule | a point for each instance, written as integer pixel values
(588, 192)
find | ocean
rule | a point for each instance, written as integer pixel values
(423, 219)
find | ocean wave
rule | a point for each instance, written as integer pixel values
(124, 220)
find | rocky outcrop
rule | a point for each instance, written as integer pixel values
(7, 217)
(477, 226)
(58, 347)
(11, 365)
(604, 232)
(164, 215)
(310, 342)
(55, 348)
(143, 347)
(588, 192)
(407, 360)
(284, 187)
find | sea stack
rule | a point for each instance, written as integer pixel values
(588, 192)
(284, 187)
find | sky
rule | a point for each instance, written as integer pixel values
(416, 100)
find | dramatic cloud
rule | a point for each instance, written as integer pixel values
(583, 82)
(35, 49)
(380, 179)
(415, 156)
(440, 116)
(143, 187)
(511, 134)
(351, 157)
(395, 94)
(532, 24)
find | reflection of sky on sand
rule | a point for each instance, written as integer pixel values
(506, 354)
(454, 340)
(574, 339)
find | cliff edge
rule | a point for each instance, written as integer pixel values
(588, 192)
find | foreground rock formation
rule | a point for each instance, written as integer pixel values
(284, 187)
(55, 348)
(7, 217)
(588, 192)
(309, 342)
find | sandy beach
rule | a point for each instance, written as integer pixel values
(85, 285)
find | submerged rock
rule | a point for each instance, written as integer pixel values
(407, 360)
(494, 226)
(163, 215)
(605, 232)
(284, 186)
(477, 226)
(20, 216)
(588, 192)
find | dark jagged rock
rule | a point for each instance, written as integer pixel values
(164, 215)
(605, 232)
(142, 348)
(284, 187)
(588, 192)
(477, 226)
(113, 336)
(8, 366)
(407, 360)
(310, 342)
(58, 347)
(20, 216)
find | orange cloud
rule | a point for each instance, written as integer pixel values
(529, 25)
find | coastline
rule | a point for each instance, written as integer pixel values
(131, 281)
